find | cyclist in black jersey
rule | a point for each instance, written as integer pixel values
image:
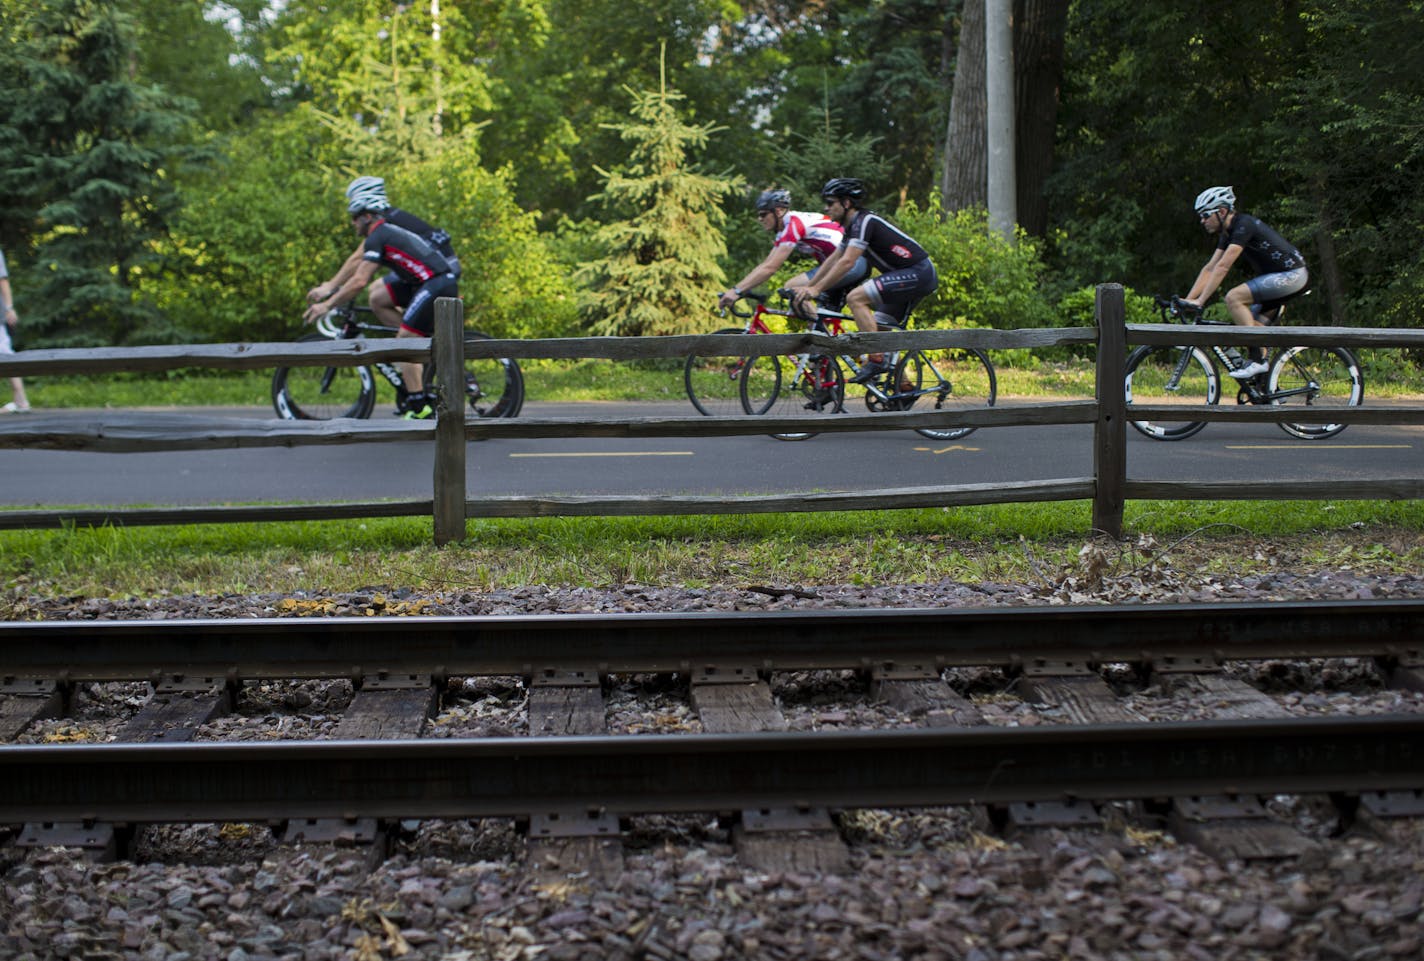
(394, 295)
(906, 273)
(419, 266)
(1280, 271)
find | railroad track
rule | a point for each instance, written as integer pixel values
(570, 780)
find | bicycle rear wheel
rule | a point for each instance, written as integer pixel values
(946, 378)
(713, 384)
(780, 386)
(1182, 376)
(494, 386)
(322, 393)
(1316, 377)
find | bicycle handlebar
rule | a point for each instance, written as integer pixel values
(1176, 307)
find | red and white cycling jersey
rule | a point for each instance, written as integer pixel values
(811, 234)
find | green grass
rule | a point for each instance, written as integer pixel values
(1028, 542)
(1020, 375)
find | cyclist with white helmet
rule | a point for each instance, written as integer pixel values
(393, 296)
(418, 267)
(1280, 269)
(907, 274)
(797, 234)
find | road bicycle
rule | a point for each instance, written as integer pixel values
(947, 378)
(1188, 376)
(494, 387)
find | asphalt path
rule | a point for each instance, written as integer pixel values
(720, 465)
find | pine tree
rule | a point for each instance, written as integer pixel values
(660, 267)
(82, 161)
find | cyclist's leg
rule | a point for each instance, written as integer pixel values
(419, 321)
(892, 296)
(389, 299)
(1262, 296)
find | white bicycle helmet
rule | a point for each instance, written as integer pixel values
(366, 193)
(1214, 198)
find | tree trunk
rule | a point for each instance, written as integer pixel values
(1038, 66)
(965, 179)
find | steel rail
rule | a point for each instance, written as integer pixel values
(530, 645)
(666, 773)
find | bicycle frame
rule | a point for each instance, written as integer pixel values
(834, 323)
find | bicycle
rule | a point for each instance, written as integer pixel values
(494, 387)
(954, 377)
(1308, 376)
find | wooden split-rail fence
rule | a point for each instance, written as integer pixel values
(451, 505)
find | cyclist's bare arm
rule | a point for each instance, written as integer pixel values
(320, 290)
(353, 285)
(1213, 274)
(759, 273)
(836, 266)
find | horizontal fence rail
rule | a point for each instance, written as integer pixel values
(451, 505)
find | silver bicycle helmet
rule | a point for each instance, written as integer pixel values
(366, 193)
(1214, 198)
(771, 199)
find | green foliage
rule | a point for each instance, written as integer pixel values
(85, 160)
(256, 232)
(659, 266)
(984, 281)
(251, 244)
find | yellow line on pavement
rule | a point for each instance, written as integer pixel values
(615, 453)
(945, 450)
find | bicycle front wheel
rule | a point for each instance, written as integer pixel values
(1316, 377)
(1180, 376)
(494, 386)
(713, 384)
(322, 393)
(791, 387)
(946, 378)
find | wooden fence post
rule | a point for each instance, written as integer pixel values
(1110, 432)
(448, 348)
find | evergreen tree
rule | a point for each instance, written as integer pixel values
(83, 164)
(660, 268)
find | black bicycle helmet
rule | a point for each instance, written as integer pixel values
(771, 199)
(838, 188)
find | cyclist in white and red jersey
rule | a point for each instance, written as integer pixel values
(797, 234)
(1280, 271)
(906, 272)
(419, 266)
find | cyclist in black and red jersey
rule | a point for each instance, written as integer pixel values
(1280, 269)
(418, 266)
(388, 300)
(797, 234)
(906, 276)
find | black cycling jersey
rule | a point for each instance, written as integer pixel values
(438, 237)
(413, 258)
(1265, 250)
(887, 246)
